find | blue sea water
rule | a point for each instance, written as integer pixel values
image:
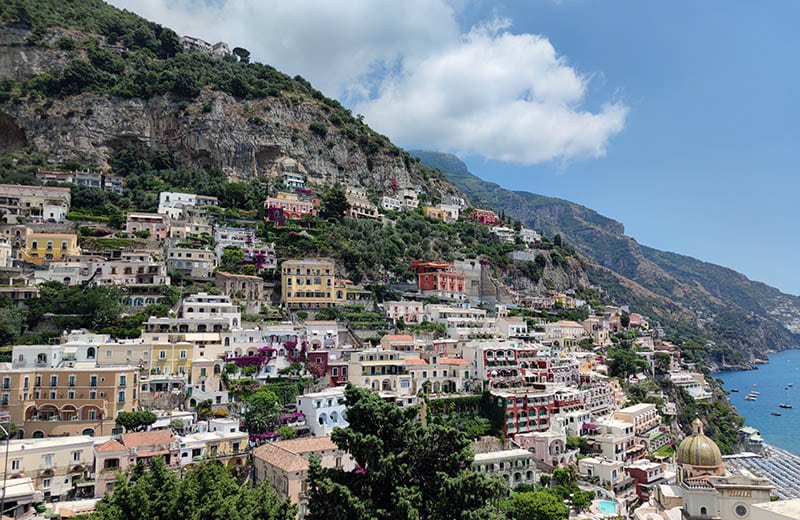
(773, 381)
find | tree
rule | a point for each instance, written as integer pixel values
(135, 421)
(537, 505)
(208, 491)
(12, 323)
(178, 425)
(242, 53)
(287, 432)
(263, 408)
(334, 204)
(405, 469)
(623, 362)
(625, 320)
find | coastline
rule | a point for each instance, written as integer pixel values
(777, 382)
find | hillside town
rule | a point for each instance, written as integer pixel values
(535, 380)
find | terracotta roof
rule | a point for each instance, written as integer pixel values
(281, 458)
(398, 337)
(416, 361)
(453, 361)
(566, 323)
(224, 274)
(307, 444)
(110, 445)
(151, 438)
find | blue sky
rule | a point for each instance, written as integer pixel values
(678, 119)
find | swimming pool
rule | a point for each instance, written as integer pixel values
(607, 507)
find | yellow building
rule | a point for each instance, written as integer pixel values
(50, 402)
(172, 359)
(435, 213)
(49, 247)
(310, 283)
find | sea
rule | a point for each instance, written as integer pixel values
(777, 382)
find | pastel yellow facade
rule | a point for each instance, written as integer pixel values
(310, 283)
(172, 359)
(49, 247)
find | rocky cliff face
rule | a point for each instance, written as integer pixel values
(244, 138)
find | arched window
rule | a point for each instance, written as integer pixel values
(703, 511)
(90, 353)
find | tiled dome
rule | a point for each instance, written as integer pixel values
(698, 449)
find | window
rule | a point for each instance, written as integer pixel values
(6, 382)
(162, 354)
(25, 382)
(71, 380)
(121, 396)
(77, 455)
(49, 244)
(34, 245)
(92, 415)
(46, 483)
(47, 461)
(53, 380)
(71, 394)
(93, 394)
(93, 380)
(123, 380)
(108, 353)
(4, 399)
(16, 464)
(182, 354)
(52, 394)
(202, 372)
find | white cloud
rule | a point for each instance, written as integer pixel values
(334, 44)
(415, 75)
(496, 94)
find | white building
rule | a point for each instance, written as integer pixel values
(174, 203)
(409, 311)
(324, 411)
(391, 203)
(608, 472)
(515, 466)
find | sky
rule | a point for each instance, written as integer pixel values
(679, 119)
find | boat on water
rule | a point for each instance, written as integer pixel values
(786, 403)
(734, 390)
(750, 397)
(776, 414)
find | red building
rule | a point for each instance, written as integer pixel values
(647, 475)
(320, 363)
(484, 216)
(438, 277)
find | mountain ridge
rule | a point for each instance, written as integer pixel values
(712, 304)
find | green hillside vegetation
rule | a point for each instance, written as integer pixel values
(113, 52)
(372, 250)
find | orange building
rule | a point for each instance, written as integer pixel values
(440, 278)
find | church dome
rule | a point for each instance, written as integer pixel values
(698, 449)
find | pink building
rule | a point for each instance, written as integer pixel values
(155, 223)
(120, 455)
